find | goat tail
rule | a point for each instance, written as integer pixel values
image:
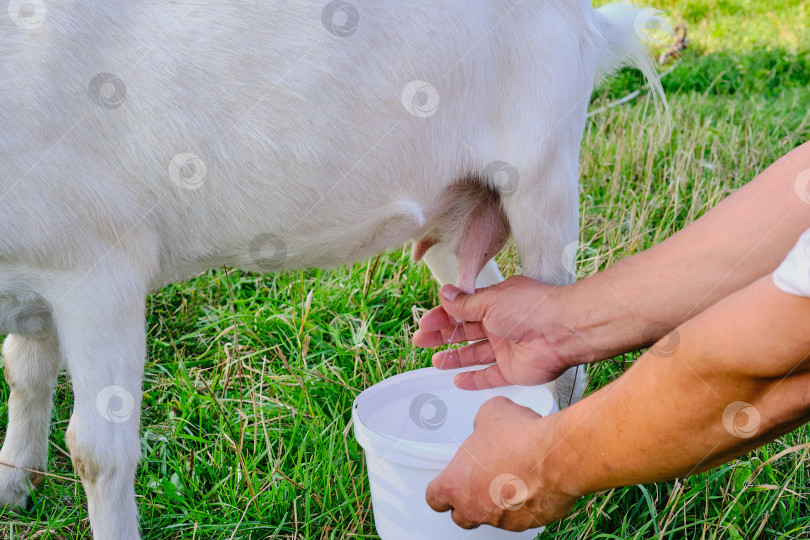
(629, 31)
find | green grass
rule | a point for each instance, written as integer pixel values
(250, 378)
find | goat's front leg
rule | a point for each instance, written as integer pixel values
(102, 336)
(31, 365)
(542, 206)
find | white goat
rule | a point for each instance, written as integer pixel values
(145, 142)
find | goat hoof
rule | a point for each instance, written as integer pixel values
(15, 488)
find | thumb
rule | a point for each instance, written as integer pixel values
(436, 494)
(501, 409)
(462, 306)
(493, 411)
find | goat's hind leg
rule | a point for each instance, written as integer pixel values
(544, 215)
(31, 365)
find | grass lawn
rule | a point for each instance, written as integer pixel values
(250, 378)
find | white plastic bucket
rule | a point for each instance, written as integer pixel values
(410, 426)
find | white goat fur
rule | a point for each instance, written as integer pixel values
(307, 146)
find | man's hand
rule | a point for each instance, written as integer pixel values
(741, 345)
(522, 324)
(737, 378)
(536, 331)
(503, 473)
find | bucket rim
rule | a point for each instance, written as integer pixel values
(435, 453)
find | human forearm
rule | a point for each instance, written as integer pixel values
(741, 239)
(536, 331)
(670, 415)
(665, 417)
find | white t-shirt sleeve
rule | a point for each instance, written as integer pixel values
(793, 275)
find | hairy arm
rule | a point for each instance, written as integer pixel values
(738, 241)
(739, 377)
(536, 331)
(674, 415)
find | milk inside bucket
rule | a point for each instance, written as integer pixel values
(410, 426)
